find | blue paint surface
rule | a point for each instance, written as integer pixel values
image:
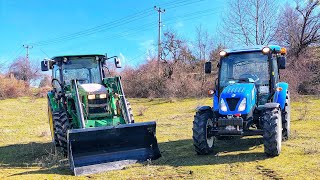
(239, 90)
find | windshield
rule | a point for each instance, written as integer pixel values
(86, 70)
(244, 67)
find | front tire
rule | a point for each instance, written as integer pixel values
(202, 140)
(62, 126)
(286, 119)
(272, 135)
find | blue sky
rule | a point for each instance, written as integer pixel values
(34, 21)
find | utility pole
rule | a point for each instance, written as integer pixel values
(27, 48)
(159, 10)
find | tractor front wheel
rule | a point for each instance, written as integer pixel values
(286, 119)
(272, 135)
(203, 140)
(61, 126)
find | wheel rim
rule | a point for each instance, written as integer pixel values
(209, 139)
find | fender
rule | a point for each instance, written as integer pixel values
(215, 101)
(53, 104)
(203, 108)
(280, 96)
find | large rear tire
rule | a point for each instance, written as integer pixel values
(286, 119)
(202, 123)
(272, 135)
(62, 126)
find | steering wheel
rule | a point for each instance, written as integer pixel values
(247, 76)
(57, 88)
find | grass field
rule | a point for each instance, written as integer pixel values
(26, 151)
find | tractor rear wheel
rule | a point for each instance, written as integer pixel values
(286, 119)
(62, 126)
(272, 135)
(202, 140)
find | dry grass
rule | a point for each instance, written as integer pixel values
(12, 88)
(26, 151)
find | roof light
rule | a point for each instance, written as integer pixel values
(222, 53)
(265, 50)
(65, 59)
(283, 51)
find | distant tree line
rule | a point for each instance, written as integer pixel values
(245, 23)
(181, 74)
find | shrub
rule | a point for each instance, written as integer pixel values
(10, 87)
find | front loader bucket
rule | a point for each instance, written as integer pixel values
(93, 150)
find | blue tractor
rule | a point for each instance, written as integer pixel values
(248, 100)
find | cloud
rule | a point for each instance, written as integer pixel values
(123, 58)
(147, 45)
(179, 24)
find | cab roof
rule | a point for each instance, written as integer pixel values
(79, 55)
(252, 49)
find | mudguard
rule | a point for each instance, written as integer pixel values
(203, 108)
(53, 104)
(215, 101)
(280, 96)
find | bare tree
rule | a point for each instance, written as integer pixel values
(299, 27)
(23, 69)
(203, 44)
(252, 22)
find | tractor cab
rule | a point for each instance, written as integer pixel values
(248, 99)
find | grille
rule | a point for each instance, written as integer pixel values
(97, 101)
(97, 110)
(97, 106)
(232, 103)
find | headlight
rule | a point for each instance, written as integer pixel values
(242, 105)
(223, 106)
(103, 96)
(91, 96)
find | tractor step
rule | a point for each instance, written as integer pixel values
(99, 149)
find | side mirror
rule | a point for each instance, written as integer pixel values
(207, 67)
(45, 65)
(281, 62)
(117, 62)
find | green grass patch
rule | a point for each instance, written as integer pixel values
(26, 151)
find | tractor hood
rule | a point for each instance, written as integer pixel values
(238, 98)
(93, 88)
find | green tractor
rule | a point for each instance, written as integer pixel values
(248, 100)
(90, 119)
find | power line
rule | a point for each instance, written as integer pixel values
(116, 23)
(148, 26)
(113, 25)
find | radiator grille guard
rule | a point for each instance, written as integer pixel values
(232, 103)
